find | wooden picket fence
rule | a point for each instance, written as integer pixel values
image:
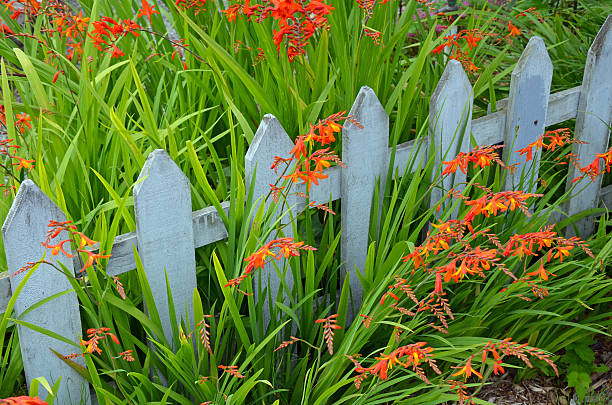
(168, 232)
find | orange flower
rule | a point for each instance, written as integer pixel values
(91, 257)
(23, 121)
(607, 157)
(329, 324)
(467, 370)
(405, 356)
(55, 249)
(23, 163)
(147, 10)
(231, 370)
(514, 31)
(563, 251)
(22, 400)
(85, 240)
(541, 272)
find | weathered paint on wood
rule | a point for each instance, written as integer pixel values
(269, 141)
(164, 228)
(594, 117)
(450, 114)
(366, 155)
(526, 113)
(23, 231)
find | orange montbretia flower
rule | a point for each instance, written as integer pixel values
(514, 31)
(329, 324)
(405, 356)
(147, 10)
(22, 400)
(55, 249)
(482, 156)
(541, 272)
(285, 247)
(23, 163)
(232, 370)
(467, 370)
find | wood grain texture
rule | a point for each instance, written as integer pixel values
(526, 113)
(450, 112)
(164, 229)
(366, 155)
(592, 124)
(270, 140)
(23, 231)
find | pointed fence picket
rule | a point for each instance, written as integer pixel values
(593, 121)
(168, 232)
(526, 112)
(451, 111)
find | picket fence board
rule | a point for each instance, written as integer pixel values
(450, 115)
(594, 114)
(526, 112)
(365, 153)
(23, 231)
(270, 140)
(164, 228)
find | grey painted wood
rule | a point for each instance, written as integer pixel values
(594, 116)
(23, 231)
(164, 229)
(365, 153)
(562, 106)
(526, 113)
(450, 115)
(270, 140)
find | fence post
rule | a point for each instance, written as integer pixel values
(23, 231)
(526, 113)
(450, 125)
(365, 153)
(594, 116)
(164, 228)
(270, 140)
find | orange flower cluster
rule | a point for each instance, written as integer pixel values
(480, 156)
(494, 203)
(472, 261)
(113, 31)
(593, 169)
(298, 20)
(205, 334)
(126, 355)
(436, 303)
(197, 5)
(556, 138)
(22, 122)
(329, 324)
(524, 245)
(22, 400)
(73, 28)
(231, 370)
(309, 163)
(57, 228)
(367, 6)
(286, 248)
(287, 343)
(469, 37)
(28, 8)
(406, 356)
(498, 350)
(91, 345)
